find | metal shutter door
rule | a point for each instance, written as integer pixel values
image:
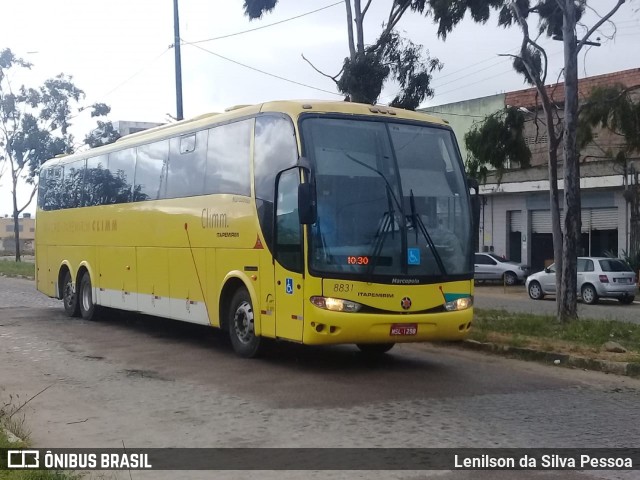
(515, 221)
(541, 221)
(604, 218)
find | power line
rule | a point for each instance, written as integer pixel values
(426, 110)
(138, 72)
(487, 78)
(262, 71)
(127, 80)
(264, 26)
(474, 64)
(506, 59)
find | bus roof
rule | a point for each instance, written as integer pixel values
(294, 108)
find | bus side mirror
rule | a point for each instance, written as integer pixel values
(307, 211)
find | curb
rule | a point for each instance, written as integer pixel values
(630, 369)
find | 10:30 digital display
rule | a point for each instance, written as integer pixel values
(359, 260)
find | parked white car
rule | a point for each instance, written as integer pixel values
(598, 277)
(489, 266)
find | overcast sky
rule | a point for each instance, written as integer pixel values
(118, 53)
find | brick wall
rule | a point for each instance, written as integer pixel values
(528, 98)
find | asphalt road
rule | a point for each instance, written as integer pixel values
(156, 383)
(516, 299)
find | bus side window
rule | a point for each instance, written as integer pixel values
(97, 182)
(227, 168)
(50, 189)
(187, 159)
(275, 149)
(288, 229)
(122, 170)
(151, 164)
(73, 184)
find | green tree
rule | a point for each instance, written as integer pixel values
(558, 19)
(496, 142)
(34, 126)
(367, 68)
(104, 133)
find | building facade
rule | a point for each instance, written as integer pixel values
(515, 217)
(27, 228)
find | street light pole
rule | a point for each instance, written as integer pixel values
(176, 47)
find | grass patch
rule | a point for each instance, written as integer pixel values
(11, 268)
(13, 419)
(544, 332)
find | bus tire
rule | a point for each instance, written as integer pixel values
(88, 309)
(375, 348)
(241, 324)
(70, 296)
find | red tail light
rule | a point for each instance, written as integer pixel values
(604, 279)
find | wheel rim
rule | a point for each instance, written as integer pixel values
(243, 323)
(587, 295)
(68, 294)
(534, 290)
(86, 298)
(510, 279)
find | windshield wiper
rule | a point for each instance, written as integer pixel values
(418, 223)
(388, 220)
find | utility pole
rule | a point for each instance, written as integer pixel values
(176, 47)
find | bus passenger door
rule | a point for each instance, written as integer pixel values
(288, 253)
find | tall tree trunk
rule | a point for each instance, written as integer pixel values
(352, 45)
(554, 201)
(359, 27)
(553, 142)
(16, 223)
(572, 207)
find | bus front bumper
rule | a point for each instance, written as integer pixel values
(325, 327)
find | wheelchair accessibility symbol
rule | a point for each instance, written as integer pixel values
(289, 286)
(413, 256)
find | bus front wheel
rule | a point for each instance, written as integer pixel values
(85, 298)
(375, 348)
(241, 324)
(70, 296)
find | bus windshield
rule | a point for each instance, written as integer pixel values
(391, 199)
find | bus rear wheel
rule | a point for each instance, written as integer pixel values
(375, 348)
(88, 308)
(70, 296)
(241, 323)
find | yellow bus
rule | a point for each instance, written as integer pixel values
(312, 222)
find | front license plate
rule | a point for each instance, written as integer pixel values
(404, 329)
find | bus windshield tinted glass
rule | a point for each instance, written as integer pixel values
(366, 175)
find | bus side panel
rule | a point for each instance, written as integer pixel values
(187, 283)
(153, 280)
(245, 260)
(268, 294)
(57, 256)
(44, 281)
(117, 279)
(213, 288)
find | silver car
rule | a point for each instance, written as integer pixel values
(489, 266)
(598, 277)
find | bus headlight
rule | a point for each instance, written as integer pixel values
(335, 304)
(459, 304)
